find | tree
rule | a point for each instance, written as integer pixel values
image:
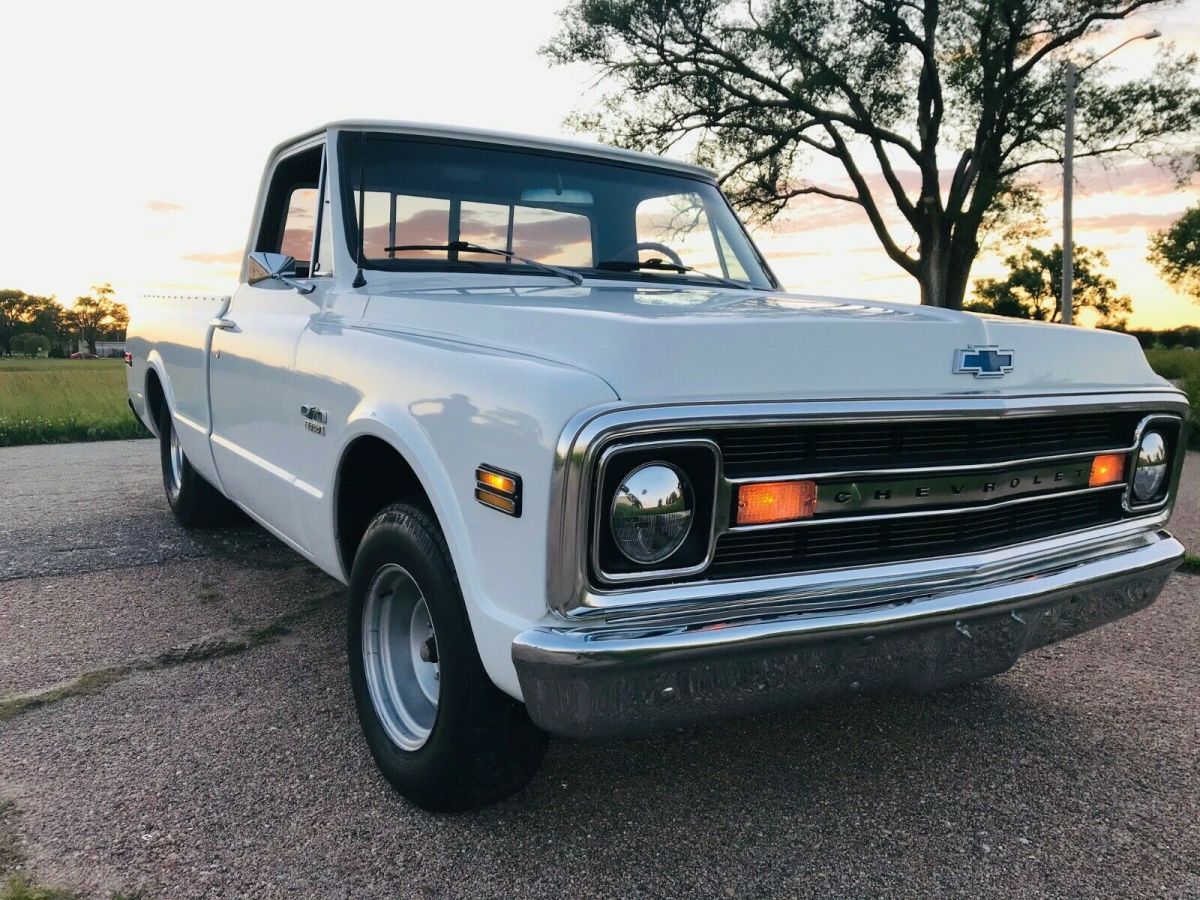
(30, 343)
(98, 314)
(1033, 288)
(1175, 252)
(936, 110)
(47, 317)
(14, 307)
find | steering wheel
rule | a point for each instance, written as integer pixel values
(656, 246)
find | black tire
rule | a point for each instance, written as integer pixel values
(194, 501)
(482, 746)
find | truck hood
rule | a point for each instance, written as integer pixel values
(658, 343)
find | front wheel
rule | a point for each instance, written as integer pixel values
(441, 733)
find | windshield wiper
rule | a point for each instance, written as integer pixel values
(468, 247)
(661, 265)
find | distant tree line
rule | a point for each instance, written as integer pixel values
(1168, 338)
(31, 325)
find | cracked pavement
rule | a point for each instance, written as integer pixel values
(213, 769)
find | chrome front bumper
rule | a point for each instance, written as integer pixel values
(597, 680)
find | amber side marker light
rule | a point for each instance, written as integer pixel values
(776, 501)
(498, 489)
(1108, 468)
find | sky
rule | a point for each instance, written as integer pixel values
(145, 126)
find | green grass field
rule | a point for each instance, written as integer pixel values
(47, 401)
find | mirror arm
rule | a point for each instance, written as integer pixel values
(302, 287)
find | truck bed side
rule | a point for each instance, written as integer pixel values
(171, 337)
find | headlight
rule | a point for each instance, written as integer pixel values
(652, 512)
(1150, 470)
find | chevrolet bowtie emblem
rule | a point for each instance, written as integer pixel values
(983, 361)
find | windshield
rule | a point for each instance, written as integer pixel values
(598, 218)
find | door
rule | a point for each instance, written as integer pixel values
(257, 425)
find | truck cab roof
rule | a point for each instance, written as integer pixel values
(503, 138)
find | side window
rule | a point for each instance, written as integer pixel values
(300, 224)
(289, 215)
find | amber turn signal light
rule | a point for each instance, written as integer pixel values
(776, 501)
(498, 489)
(497, 482)
(1107, 468)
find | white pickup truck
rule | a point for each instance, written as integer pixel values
(588, 471)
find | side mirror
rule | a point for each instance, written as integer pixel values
(263, 266)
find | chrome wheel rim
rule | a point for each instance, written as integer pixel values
(175, 456)
(399, 648)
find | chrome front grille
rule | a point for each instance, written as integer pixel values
(758, 451)
(949, 486)
(836, 544)
(953, 521)
(925, 451)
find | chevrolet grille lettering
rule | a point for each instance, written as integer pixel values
(881, 495)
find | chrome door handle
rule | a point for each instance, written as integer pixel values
(224, 324)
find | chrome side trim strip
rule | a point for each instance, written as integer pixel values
(568, 592)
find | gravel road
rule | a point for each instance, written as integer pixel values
(186, 730)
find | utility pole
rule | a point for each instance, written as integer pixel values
(1068, 240)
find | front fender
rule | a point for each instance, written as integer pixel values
(391, 425)
(446, 410)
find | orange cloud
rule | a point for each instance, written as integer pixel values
(163, 206)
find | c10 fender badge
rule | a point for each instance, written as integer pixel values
(983, 361)
(314, 418)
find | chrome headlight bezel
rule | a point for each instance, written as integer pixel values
(1169, 430)
(698, 462)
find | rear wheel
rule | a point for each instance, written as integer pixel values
(192, 499)
(440, 731)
